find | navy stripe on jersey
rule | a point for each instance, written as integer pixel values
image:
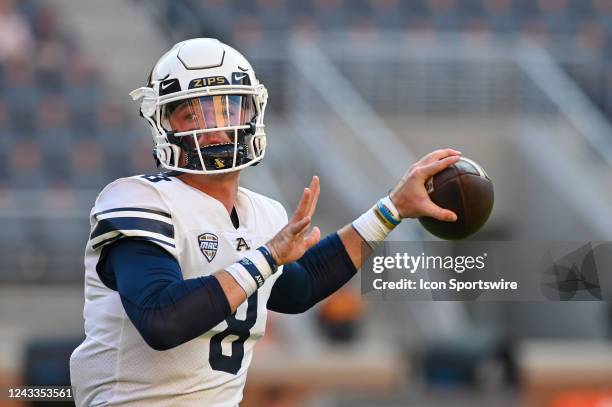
(167, 215)
(146, 238)
(132, 223)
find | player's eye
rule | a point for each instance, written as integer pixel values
(234, 109)
(188, 116)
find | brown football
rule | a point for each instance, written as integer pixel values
(464, 188)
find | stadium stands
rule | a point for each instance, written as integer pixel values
(578, 27)
(61, 139)
(53, 96)
(61, 134)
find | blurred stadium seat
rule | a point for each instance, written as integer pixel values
(59, 131)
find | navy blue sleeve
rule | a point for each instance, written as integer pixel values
(166, 309)
(323, 269)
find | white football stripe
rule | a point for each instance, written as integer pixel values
(132, 233)
(134, 214)
(480, 170)
(103, 237)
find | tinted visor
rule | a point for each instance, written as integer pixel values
(209, 112)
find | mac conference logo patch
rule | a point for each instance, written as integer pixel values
(209, 243)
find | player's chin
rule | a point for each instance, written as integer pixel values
(224, 175)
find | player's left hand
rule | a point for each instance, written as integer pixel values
(292, 241)
(410, 195)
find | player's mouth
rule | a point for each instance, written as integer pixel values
(211, 139)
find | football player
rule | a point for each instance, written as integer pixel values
(182, 267)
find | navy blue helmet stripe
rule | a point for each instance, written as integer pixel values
(130, 223)
(147, 238)
(167, 215)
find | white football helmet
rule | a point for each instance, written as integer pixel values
(205, 108)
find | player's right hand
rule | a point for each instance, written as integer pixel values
(410, 195)
(292, 241)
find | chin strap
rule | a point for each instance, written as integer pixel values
(216, 156)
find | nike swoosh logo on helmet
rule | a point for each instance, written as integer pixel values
(239, 78)
(165, 85)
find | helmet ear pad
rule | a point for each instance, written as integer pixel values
(165, 154)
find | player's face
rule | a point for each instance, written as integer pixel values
(212, 112)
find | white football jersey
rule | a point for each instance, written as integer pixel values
(114, 365)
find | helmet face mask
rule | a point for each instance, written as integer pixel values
(205, 108)
(213, 131)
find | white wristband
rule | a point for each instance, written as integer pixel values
(375, 224)
(251, 271)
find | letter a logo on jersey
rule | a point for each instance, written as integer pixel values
(241, 244)
(209, 243)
